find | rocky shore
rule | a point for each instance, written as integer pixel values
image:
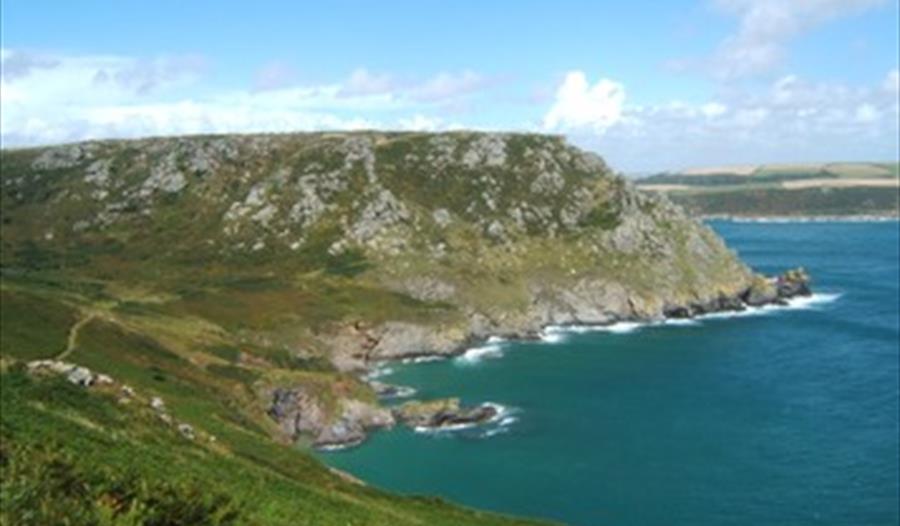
(300, 414)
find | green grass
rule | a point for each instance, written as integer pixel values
(33, 327)
(793, 202)
(72, 455)
(762, 194)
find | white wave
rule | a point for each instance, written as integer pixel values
(339, 447)
(507, 421)
(795, 303)
(494, 432)
(621, 327)
(682, 322)
(553, 338)
(476, 354)
(496, 339)
(444, 429)
(809, 302)
(424, 359)
(378, 372)
(504, 417)
(554, 333)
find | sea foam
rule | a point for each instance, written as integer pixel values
(554, 333)
(476, 354)
(504, 418)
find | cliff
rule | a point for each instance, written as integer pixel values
(249, 282)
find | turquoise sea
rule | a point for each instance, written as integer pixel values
(778, 417)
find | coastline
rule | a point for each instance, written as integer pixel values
(866, 218)
(779, 292)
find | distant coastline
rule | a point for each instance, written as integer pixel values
(867, 218)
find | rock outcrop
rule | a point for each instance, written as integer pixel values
(443, 414)
(300, 413)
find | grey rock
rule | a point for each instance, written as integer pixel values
(59, 157)
(187, 431)
(81, 376)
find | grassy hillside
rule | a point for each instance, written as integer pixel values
(74, 455)
(833, 189)
(224, 275)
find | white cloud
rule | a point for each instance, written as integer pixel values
(792, 120)
(766, 26)
(46, 99)
(867, 113)
(713, 109)
(420, 122)
(579, 105)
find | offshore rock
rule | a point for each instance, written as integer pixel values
(443, 413)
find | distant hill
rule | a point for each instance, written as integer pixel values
(811, 189)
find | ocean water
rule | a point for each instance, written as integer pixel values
(781, 417)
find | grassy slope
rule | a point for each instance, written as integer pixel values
(762, 194)
(76, 455)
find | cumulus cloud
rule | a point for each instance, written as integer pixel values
(47, 99)
(792, 120)
(766, 26)
(578, 105)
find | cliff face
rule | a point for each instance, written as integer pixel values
(371, 245)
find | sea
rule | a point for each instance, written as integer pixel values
(774, 416)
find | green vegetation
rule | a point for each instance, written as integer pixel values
(71, 455)
(797, 202)
(834, 189)
(213, 271)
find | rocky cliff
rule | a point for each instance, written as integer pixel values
(335, 250)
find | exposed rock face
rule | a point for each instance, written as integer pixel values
(300, 413)
(793, 283)
(477, 233)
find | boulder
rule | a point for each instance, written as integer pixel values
(81, 376)
(186, 430)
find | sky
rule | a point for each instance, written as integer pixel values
(650, 86)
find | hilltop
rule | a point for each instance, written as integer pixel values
(249, 282)
(784, 190)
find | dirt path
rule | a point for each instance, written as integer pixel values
(73, 335)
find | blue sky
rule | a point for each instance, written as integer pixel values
(651, 86)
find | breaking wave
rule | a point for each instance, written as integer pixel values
(555, 333)
(476, 354)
